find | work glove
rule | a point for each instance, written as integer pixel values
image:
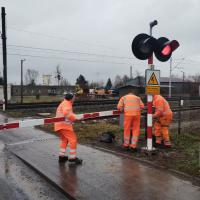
(79, 117)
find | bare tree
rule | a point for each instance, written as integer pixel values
(195, 78)
(118, 82)
(125, 79)
(31, 76)
(58, 74)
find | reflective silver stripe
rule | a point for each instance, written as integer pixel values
(134, 140)
(72, 150)
(72, 156)
(132, 108)
(126, 140)
(62, 150)
(132, 101)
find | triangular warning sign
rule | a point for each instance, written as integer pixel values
(153, 80)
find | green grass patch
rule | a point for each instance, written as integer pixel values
(186, 153)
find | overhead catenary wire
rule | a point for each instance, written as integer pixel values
(79, 52)
(71, 52)
(70, 59)
(49, 50)
(191, 61)
(60, 38)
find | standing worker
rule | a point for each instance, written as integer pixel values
(162, 119)
(131, 105)
(65, 130)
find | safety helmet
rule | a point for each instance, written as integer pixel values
(68, 95)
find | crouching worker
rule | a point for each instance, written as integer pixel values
(131, 105)
(162, 119)
(65, 130)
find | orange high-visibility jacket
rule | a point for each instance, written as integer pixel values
(130, 104)
(162, 107)
(65, 110)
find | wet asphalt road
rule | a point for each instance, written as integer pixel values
(17, 180)
(103, 176)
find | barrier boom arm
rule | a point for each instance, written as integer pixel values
(45, 121)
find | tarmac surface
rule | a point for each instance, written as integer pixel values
(102, 175)
(17, 180)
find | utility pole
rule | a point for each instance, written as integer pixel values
(183, 82)
(170, 74)
(22, 61)
(170, 79)
(3, 36)
(131, 72)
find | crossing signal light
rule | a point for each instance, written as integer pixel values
(164, 48)
(144, 45)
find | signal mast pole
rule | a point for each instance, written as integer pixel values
(3, 36)
(150, 99)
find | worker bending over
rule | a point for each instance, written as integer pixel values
(65, 130)
(162, 119)
(131, 105)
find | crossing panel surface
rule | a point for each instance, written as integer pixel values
(103, 175)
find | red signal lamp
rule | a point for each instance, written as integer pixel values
(164, 48)
(167, 50)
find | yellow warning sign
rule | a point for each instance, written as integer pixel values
(152, 89)
(153, 80)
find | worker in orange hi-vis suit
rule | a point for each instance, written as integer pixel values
(65, 130)
(131, 105)
(162, 119)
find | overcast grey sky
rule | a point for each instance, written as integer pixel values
(102, 27)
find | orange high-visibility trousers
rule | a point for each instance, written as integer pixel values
(161, 128)
(134, 123)
(67, 137)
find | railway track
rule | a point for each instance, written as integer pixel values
(82, 103)
(55, 104)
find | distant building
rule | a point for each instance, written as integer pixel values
(29, 90)
(2, 93)
(179, 88)
(46, 79)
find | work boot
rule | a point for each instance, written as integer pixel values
(126, 148)
(76, 161)
(158, 145)
(167, 144)
(134, 150)
(62, 159)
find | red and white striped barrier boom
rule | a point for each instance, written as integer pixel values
(36, 122)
